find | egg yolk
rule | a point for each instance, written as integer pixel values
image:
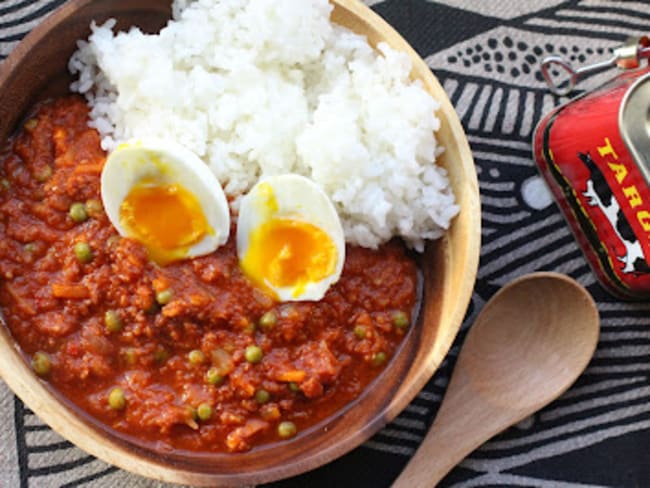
(167, 219)
(289, 253)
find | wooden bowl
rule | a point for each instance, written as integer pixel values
(37, 69)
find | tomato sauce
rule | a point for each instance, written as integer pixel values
(164, 353)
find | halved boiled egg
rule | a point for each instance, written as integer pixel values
(164, 196)
(289, 238)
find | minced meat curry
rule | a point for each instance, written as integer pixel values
(186, 356)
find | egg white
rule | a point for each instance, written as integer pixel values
(165, 163)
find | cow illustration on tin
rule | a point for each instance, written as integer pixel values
(600, 195)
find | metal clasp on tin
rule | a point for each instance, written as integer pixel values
(627, 56)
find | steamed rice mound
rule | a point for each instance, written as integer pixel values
(267, 87)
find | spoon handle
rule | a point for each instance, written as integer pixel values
(464, 422)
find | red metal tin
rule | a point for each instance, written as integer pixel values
(594, 153)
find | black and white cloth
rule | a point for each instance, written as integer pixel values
(487, 57)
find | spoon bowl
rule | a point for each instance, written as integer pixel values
(529, 344)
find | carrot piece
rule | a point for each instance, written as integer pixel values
(69, 291)
(88, 168)
(293, 376)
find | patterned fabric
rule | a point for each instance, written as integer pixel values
(486, 55)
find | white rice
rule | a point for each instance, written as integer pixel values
(266, 87)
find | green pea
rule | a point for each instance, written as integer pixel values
(83, 252)
(213, 377)
(293, 386)
(41, 363)
(400, 320)
(78, 212)
(112, 321)
(262, 396)
(160, 355)
(360, 332)
(30, 247)
(253, 354)
(130, 356)
(204, 411)
(6, 184)
(196, 357)
(43, 174)
(268, 320)
(31, 124)
(163, 297)
(379, 358)
(287, 429)
(93, 207)
(116, 399)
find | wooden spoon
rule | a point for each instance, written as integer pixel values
(530, 342)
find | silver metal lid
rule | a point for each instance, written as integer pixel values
(634, 123)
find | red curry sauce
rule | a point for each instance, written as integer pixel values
(317, 356)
